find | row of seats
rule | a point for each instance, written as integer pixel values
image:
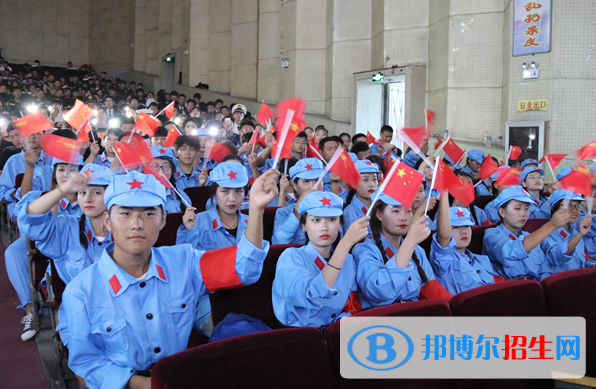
(299, 358)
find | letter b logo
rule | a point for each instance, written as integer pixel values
(380, 345)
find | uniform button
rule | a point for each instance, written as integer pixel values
(333, 316)
(100, 244)
(149, 316)
(470, 262)
(183, 306)
(335, 294)
(142, 284)
(157, 350)
(478, 271)
(109, 329)
(409, 278)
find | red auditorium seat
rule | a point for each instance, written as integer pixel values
(534, 224)
(513, 298)
(477, 236)
(198, 196)
(18, 180)
(288, 358)
(268, 221)
(481, 201)
(167, 236)
(415, 308)
(253, 300)
(568, 294)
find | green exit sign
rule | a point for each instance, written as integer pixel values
(378, 77)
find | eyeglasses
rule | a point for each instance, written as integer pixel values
(187, 149)
(14, 136)
(577, 207)
(165, 168)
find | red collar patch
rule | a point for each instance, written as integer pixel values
(89, 236)
(63, 203)
(364, 210)
(214, 224)
(115, 284)
(177, 174)
(319, 263)
(586, 255)
(389, 252)
(563, 234)
(162, 275)
(512, 237)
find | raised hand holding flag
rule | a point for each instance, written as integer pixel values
(173, 134)
(168, 110)
(458, 187)
(265, 114)
(580, 180)
(371, 139)
(147, 124)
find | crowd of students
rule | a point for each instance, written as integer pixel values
(128, 304)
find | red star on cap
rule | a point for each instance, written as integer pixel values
(162, 151)
(89, 171)
(459, 213)
(308, 167)
(326, 201)
(135, 184)
(232, 175)
(368, 163)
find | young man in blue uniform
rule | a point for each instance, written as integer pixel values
(136, 304)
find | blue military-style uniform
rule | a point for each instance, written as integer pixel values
(476, 155)
(539, 208)
(173, 203)
(374, 149)
(206, 163)
(342, 192)
(456, 271)
(103, 160)
(506, 250)
(301, 297)
(118, 324)
(590, 238)
(357, 209)
(485, 188)
(184, 181)
(410, 159)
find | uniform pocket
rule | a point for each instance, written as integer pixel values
(182, 310)
(112, 333)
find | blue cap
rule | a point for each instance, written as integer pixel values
(564, 172)
(592, 169)
(527, 171)
(229, 175)
(457, 166)
(323, 204)
(560, 194)
(307, 169)
(135, 189)
(460, 217)
(515, 192)
(202, 131)
(162, 152)
(496, 174)
(528, 161)
(366, 166)
(56, 161)
(101, 174)
(386, 199)
(476, 155)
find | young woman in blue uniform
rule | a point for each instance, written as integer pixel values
(457, 268)
(565, 248)
(477, 214)
(315, 284)
(516, 254)
(359, 199)
(163, 160)
(532, 180)
(391, 267)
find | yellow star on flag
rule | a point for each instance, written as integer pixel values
(401, 173)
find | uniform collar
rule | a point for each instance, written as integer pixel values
(43, 158)
(390, 250)
(359, 204)
(65, 203)
(90, 234)
(180, 174)
(171, 192)
(317, 262)
(506, 231)
(216, 223)
(118, 280)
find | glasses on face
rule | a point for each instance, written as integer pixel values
(14, 136)
(165, 168)
(577, 207)
(187, 149)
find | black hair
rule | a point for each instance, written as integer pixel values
(215, 185)
(302, 134)
(345, 134)
(197, 96)
(375, 227)
(232, 157)
(387, 128)
(210, 103)
(359, 147)
(116, 131)
(161, 132)
(65, 133)
(186, 139)
(303, 222)
(379, 161)
(82, 237)
(327, 139)
(246, 122)
(418, 163)
(282, 164)
(245, 138)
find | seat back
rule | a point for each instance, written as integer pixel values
(198, 196)
(167, 235)
(534, 224)
(477, 236)
(268, 220)
(569, 293)
(288, 358)
(415, 308)
(254, 300)
(18, 180)
(481, 201)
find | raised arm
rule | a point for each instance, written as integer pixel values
(264, 190)
(443, 221)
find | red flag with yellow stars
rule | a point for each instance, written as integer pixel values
(32, 124)
(168, 110)
(553, 159)
(457, 186)
(341, 164)
(588, 151)
(438, 144)
(403, 184)
(147, 124)
(516, 151)
(133, 155)
(78, 115)
(286, 151)
(430, 117)
(488, 168)
(215, 151)
(453, 151)
(173, 134)
(418, 135)
(371, 139)
(295, 104)
(265, 114)
(580, 180)
(508, 176)
(66, 149)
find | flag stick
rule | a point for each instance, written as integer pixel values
(163, 110)
(478, 183)
(318, 155)
(432, 185)
(286, 168)
(590, 201)
(335, 157)
(550, 167)
(284, 135)
(130, 137)
(509, 154)
(176, 190)
(568, 197)
(415, 147)
(442, 145)
(461, 158)
(383, 185)
(117, 156)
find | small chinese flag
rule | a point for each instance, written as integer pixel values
(430, 117)
(286, 151)
(83, 136)
(265, 114)
(341, 164)
(515, 153)
(457, 186)
(580, 180)
(296, 104)
(147, 124)
(508, 176)
(261, 140)
(311, 150)
(173, 134)
(215, 151)
(588, 151)
(371, 139)
(168, 110)
(418, 135)
(438, 144)
(32, 124)
(158, 176)
(78, 115)
(133, 155)
(62, 148)
(254, 138)
(553, 159)
(403, 184)
(488, 168)
(453, 151)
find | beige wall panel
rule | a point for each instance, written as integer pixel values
(406, 46)
(220, 81)
(377, 17)
(152, 15)
(220, 15)
(288, 26)
(244, 44)
(463, 7)
(349, 58)
(352, 20)
(269, 36)
(310, 24)
(219, 51)
(437, 10)
(268, 6)
(342, 109)
(405, 14)
(244, 81)
(531, 90)
(377, 52)
(310, 77)
(438, 55)
(139, 53)
(437, 102)
(269, 80)
(245, 11)
(472, 111)
(37, 18)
